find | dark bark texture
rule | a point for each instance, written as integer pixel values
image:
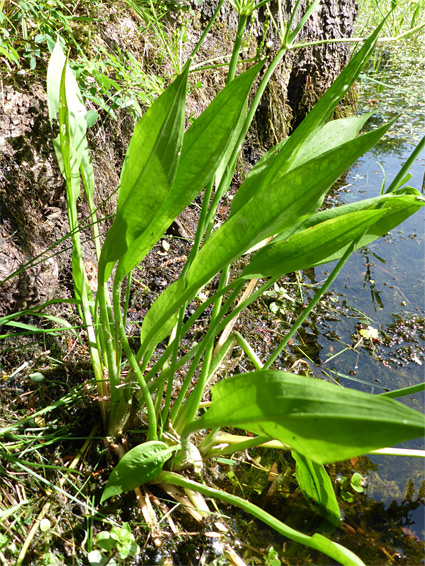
(304, 74)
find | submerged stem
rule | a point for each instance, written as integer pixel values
(318, 542)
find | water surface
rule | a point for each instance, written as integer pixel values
(383, 285)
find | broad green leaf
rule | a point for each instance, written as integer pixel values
(323, 139)
(357, 482)
(397, 206)
(205, 144)
(320, 420)
(316, 486)
(140, 465)
(57, 62)
(158, 134)
(400, 205)
(70, 147)
(284, 159)
(282, 205)
(105, 541)
(148, 171)
(311, 246)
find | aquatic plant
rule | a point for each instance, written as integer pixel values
(276, 217)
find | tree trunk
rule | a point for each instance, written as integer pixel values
(304, 74)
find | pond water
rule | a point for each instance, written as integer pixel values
(383, 286)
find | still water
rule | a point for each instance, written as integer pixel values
(383, 285)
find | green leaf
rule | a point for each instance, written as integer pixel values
(73, 109)
(282, 205)
(321, 421)
(325, 138)
(140, 465)
(148, 171)
(91, 118)
(316, 486)
(317, 117)
(311, 246)
(356, 482)
(65, 100)
(205, 144)
(105, 541)
(398, 207)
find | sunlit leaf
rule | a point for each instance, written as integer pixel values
(148, 171)
(140, 465)
(316, 486)
(320, 420)
(284, 205)
(205, 143)
(311, 246)
(291, 251)
(283, 160)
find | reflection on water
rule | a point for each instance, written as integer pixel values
(382, 287)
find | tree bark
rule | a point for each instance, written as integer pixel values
(304, 74)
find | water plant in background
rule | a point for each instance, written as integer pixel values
(276, 221)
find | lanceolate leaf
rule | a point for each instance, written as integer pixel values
(323, 139)
(140, 465)
(205, 143)
(316, 486)
(320, 238)
(73, 113)
(148, 170)
(321, 421)
(283, 205)
(312, 246)
(284, 159)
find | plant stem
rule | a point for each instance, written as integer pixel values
(207, 445)
(356, 39)
(318, 542)
(406, 167)
(235, 444)
(152, 432)
(236, 48)
(207, 29)
(118, 393)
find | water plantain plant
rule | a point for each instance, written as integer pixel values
(274, 215)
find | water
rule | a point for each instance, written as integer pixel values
(382, 286)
